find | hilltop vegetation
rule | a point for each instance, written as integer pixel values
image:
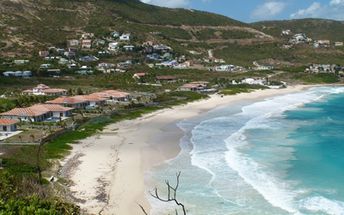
(27, 26)
(318, 29)
(27, 23)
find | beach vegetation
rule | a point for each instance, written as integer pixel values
(16, 197)
(321, 78)
(241, 88)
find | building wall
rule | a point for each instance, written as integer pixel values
(8, 128)
(96, 103)
(58, 114)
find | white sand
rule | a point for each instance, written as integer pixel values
(107, 170)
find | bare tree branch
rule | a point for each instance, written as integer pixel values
(171, 194)
(143, 210)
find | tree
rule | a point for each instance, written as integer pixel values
(70, 92)
(38, 161)
(32, 137)
(20, 138)
(79, 91)
(171, 195)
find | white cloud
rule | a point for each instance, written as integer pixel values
(337, 2)
(268, 10)
(312, 10)
(333, 10)
(168, 3)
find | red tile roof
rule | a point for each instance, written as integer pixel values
(42, 86)
(166, 77)
(195, 84)
(54, 90)
(200, 82)
(25, 112)
(111, 94)
(52, 107)
(68, 100)
(36, 110)
(140, 74)
(92, 98)
(8, 122)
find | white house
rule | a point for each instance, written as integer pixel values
(87, 35)
(252, 81)
(124, 37)
(113, 46)
(286, 32)
(224, 68)
(322, 43)
(321, 68)
(86, 44)
(128, 47)
(115, 34)
(73, 43)
(42, 89)
(300, 38)
(338, 44)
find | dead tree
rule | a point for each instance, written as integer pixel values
(38, 161)
(171, 194)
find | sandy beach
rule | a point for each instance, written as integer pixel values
(107, 170)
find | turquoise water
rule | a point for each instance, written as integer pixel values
(283, 155)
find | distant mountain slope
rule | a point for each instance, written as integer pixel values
(314, 28)
(136, 11)
(31, 24)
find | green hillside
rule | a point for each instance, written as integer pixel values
(28, 24)
(134, 10)
(315, 28)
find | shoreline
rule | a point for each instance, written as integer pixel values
(107, 170)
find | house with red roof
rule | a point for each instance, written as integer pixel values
(8, 125)
(93, 100)
(139, 75)
(27, 114)
(57, 111)
(166, 78)
(195, 86)
(38, 113)
(44, 90)
(77, 102)
(113, 95)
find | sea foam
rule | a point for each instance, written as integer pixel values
(276, 191)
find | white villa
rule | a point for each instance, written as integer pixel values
(113, 46)
(125, 37)
(44, 90)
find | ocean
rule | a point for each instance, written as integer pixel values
(281, 155)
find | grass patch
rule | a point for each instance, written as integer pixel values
(242, 88)
(317, 78)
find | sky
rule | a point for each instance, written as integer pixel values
(258, 10)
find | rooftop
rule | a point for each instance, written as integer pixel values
(68, 100)
(166, 77)
(30, 112)
(35, 110)
(111, 94)
(8, 121)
